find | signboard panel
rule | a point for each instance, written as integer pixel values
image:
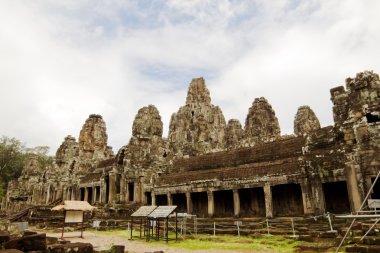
(374, 203)
(162, 211)
(74, 216)
(144, 211)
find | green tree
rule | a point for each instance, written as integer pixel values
(13, 155)
(42, 154)
(12, 158)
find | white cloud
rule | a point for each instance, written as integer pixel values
(63, 60)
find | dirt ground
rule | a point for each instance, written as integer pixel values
(104, 242)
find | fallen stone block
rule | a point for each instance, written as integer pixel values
(118, 249)
(27, 243)
(51, 240)
(363, 248)
(71, 247)
(27, 232)
(4, 236)
(11, 251)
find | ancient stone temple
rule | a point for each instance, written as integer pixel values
(213, 169)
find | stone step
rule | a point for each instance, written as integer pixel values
(371, 240)
(363, 248)
(314, 247)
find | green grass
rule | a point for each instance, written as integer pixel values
(225, 242)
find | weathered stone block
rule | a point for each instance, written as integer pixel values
(11, 251)
(4, 236)
(71, 247)
(27, 243)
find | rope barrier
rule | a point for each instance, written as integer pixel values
(287, 225)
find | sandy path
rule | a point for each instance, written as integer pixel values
(103, 242)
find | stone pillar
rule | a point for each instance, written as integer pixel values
(318, 196)
(86, 194)
(139, 190)
(72, 193)
(103, 191)
(353, 186)
(236, 202)
(127, 191)
(170, 199)
(189, 204)
(94, 194)
(306, 197)
(64, 193)
(211, 204)
(60, 192)
(136, 187)
(112, 188)
(123, 192)
(153, 199)
(268, 200)
(47, 194)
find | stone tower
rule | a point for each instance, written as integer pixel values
(198, 127)
(305, 121)
(93, 139)
(261, 124)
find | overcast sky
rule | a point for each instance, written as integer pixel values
(63, 60)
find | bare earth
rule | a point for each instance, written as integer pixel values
(104, 242)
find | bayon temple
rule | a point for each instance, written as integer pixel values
(213, 168)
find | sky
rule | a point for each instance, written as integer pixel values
(61, 61)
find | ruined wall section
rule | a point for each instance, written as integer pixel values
(261, 124)
(361, 126)
(265, 153)
(359, 103)
(198, 127)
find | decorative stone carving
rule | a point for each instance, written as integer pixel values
(147, 123)
(234, 134)
(146, 150)
(305, 121)
(67, 151)
(93, 139)
(198, 127)
(261, 124)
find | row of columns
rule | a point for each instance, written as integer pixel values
(308, 195)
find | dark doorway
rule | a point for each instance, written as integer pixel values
(376, 189)
(97, 194)
(161, 200)
(131, 191)
(148, 198)
(179, 200)
(117, 183)
(199, 202)
(287, 200)
(107, 179)
(252, 202)
(336, 197)
(89, 195)
(82, 194)
(224, 203)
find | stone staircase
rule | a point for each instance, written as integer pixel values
(368, 244)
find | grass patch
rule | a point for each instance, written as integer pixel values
(223, 242)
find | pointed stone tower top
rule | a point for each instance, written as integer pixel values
(147, 123)
(261, 124)
(305, 121)
(198, 92)
(93, 138)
